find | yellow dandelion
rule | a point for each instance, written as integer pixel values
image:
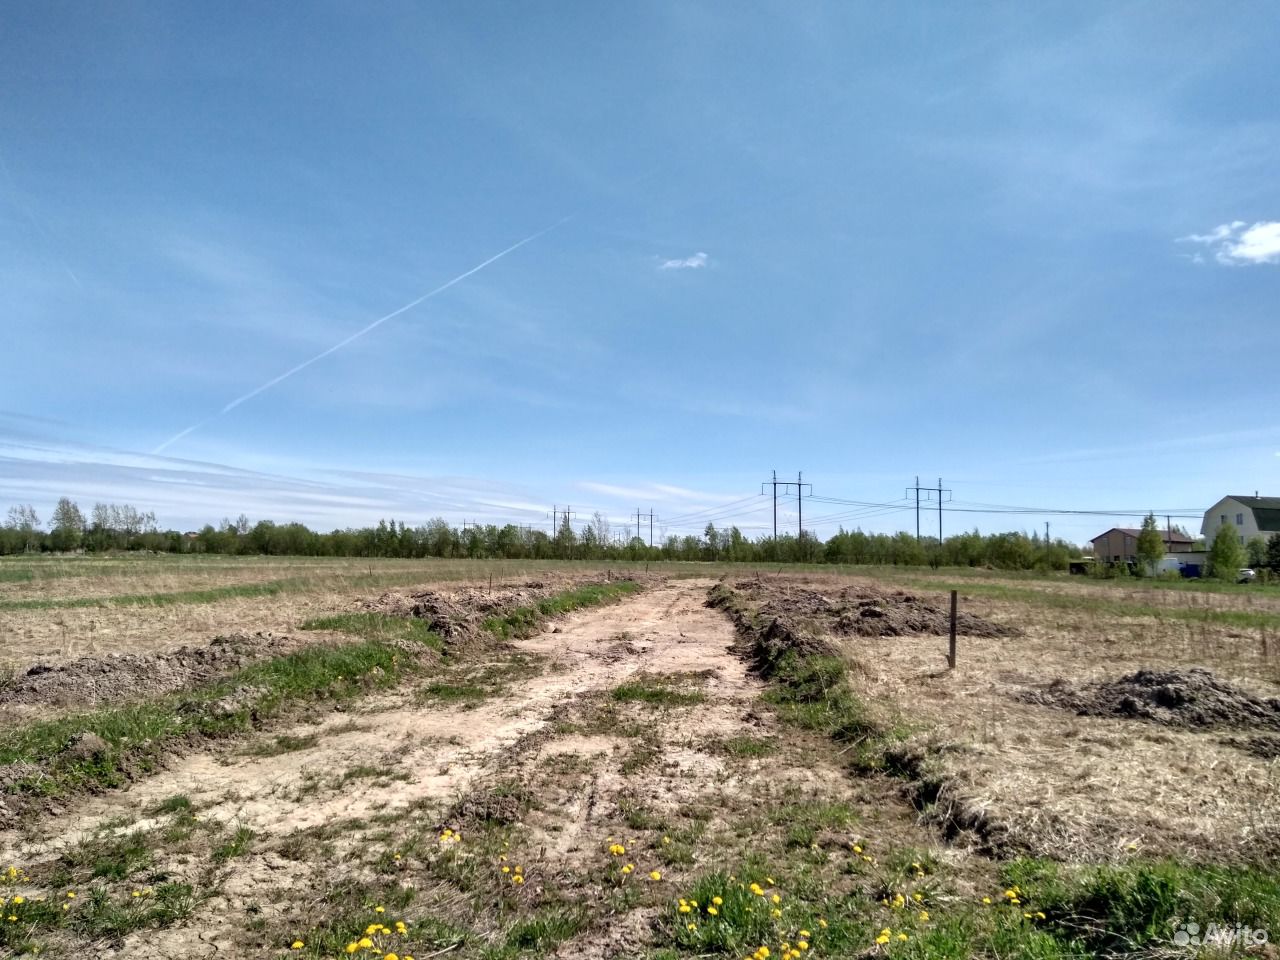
(685, 908)
(924, 914)
(717, 900)
(776, 898)
(297, 945)
(822, 923)
(903, 936)
(379, 909)
(986, 899)
(802, 944)
(1039, 915)
(655, 875)
(713, 911)
(365, 943)
(882, 939)
(691, 926)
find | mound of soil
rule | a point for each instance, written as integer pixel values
(1263, 746)
(1190, 699)
(457, 615)
(857, 612)
(96, 680)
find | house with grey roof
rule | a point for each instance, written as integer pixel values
(1250, 516)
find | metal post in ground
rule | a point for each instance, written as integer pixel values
(951, 655)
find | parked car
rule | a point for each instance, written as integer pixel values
(1246, 575)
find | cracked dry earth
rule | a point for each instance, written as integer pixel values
(365, 776)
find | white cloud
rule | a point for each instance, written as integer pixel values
(1238, 243)
(695, 262)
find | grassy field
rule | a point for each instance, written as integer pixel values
(554, 762)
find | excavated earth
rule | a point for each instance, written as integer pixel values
(91, 681)
(1188, 699)
(858, 612)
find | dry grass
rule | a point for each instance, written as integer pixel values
(309, 588)
(1065, 785)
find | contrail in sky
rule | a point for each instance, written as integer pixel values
(39, 227)
(358, 334)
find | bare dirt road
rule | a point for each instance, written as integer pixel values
(606, 713)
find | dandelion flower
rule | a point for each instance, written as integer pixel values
(903, 936)
(379, 909)
(802, 944)
(517, 879)
(717, 900)
(297, 945)
(1039, 915)
(655, 875)
(776, 898)
(713, 911)
(924, 914)
(882, 939)
(822, 923)
(365, 943)
(691, 925)
(986, 899)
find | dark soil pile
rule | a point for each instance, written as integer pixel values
(95, 680)
(1263, 746)
(1190, 699)
(457, 615)
(855, 612)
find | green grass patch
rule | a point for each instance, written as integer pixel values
(136, 734)
(523, 621)
(378, 626)
(236, 846)
(658, 690)
(544, 931)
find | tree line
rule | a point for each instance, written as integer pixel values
(122, 527)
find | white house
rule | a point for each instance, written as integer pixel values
(1250, 516)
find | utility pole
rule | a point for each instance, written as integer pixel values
(799, 484)
(637, 523)
(940, 492)
(774, 484)
(651, 528)
(943, 495)
(1046, 533)
(800, 506)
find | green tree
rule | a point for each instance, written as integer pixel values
(1257, 551)
(1150, 545)
(66, 530)
(1272, 560)
(1226, 555)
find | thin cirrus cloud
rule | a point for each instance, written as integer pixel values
(1237, 243)
(695, 262)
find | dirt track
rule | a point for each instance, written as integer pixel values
(415, 755)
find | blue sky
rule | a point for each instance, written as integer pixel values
(1031, 249)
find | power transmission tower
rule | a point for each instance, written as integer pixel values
(638, 516)
(800, 485)
(650, 528)
(774, 484)
(942, 497)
